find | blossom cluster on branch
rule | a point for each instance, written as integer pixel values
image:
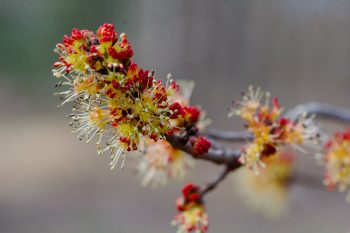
(337, 162)
(115, 100)
(128, 111)
(192, 216)
(271, 131)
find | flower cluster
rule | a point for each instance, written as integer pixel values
(200, 145)
(337, 162)
(192, 216)
(270, 129)
(161, 162)
(115, 100)
(267, 193)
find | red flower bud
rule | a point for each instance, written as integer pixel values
(284, 121)
(190, 193)
(188, 189)
(180, 204)
(76, 34)
(276, 103)
(106, 33)
(67, 40)
(200, 145)
(192, 112)
(177, 110)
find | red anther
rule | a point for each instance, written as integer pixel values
(106, 33)
(160, 97)
(67, 41)
(143, 79)
(200, 145)
(58, 64)
(284, 121)
(122, 55)
(346, 135)
(177, 110)
(76, 34)
(93, 49)
(180, 204)
(111, 94)
(174, 85)
(112, 52)
(154, 137)
(195, 197)
(116, 84)
(125, 140)
(113, 112)
(189, 189)
(192, 112)
(109, 91)
(133, 68)
(190, 228)
(128, 85)
(86, 34)
(328, 144)
(60, 46)
(276, 103)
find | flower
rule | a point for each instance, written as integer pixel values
(200, 145)
(89, 121)
(191, 113)
(183, 93)
(192, 217)
(271, 130)
(337, 162)
(161, 162)
(106, 33)
(114, 99)
(267, 193)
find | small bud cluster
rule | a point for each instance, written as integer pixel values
(271, 131)
(337, 162)
(161, 162)
(268, 192)
(115, 100)
(192, 119)
(200, 145)
(192, 217)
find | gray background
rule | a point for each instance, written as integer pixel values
(52, 183)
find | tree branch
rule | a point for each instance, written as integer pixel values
(321, 110)
(223, 156)
(219, 156)
(237, 136)
(212, 185)
(230, 158)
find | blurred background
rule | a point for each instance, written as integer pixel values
(52, 183)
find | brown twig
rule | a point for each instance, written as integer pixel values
(239, 136)
(230, 158)
(212, 185)
(321, 110)
(326, 111)
(216, 155)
